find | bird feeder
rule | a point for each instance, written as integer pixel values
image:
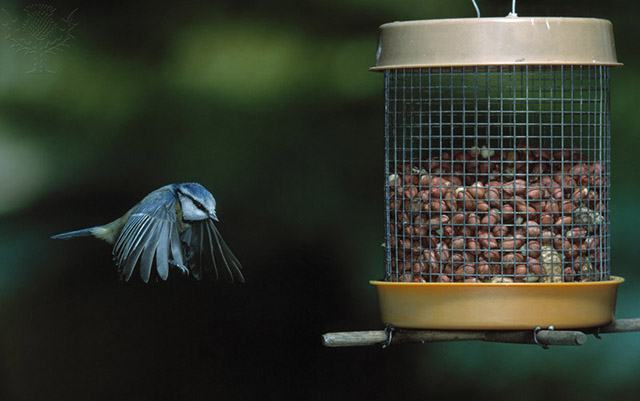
(497, 173)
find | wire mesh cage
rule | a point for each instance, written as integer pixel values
(497, 173)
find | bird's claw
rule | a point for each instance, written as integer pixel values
(183, 269)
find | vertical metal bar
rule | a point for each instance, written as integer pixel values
(563, 136)
(606, 162)
(607, 182)
(519, 98)
(387, 175)
(572, 125)
(592, 134)
(405, 237)
(420, 100)
(430, 151)
(527, 225)
(592, 154)
(440, 230)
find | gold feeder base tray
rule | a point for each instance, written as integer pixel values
(497, 306)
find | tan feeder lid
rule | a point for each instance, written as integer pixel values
(495, 41)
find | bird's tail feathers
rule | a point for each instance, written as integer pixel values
(85, 232)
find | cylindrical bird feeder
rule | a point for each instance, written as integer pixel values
(497, 173)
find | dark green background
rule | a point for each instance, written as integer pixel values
(271, 106)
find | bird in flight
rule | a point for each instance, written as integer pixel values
(173, 225)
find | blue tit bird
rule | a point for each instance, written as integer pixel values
(174, 224)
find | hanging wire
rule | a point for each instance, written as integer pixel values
(475, 5)
(511, 14)
(513, 9)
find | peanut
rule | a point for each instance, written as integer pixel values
(500, 230)
(487, 241)
(500, 279)
(477, 190)
(482, 206)
(512, 243)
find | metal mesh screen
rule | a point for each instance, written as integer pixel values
(497, 174)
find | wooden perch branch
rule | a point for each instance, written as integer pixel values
(544, 337)
(622, 326)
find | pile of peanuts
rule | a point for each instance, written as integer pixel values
(508, 215)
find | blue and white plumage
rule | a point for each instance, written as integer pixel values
(173, 225)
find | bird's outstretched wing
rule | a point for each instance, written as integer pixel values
(150, 232)
(206, 250)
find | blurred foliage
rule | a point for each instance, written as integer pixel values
(272, 107)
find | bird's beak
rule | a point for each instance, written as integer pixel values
(213, 216)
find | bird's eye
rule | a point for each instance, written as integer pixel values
(198, 205)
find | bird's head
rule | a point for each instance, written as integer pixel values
(196, 202)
